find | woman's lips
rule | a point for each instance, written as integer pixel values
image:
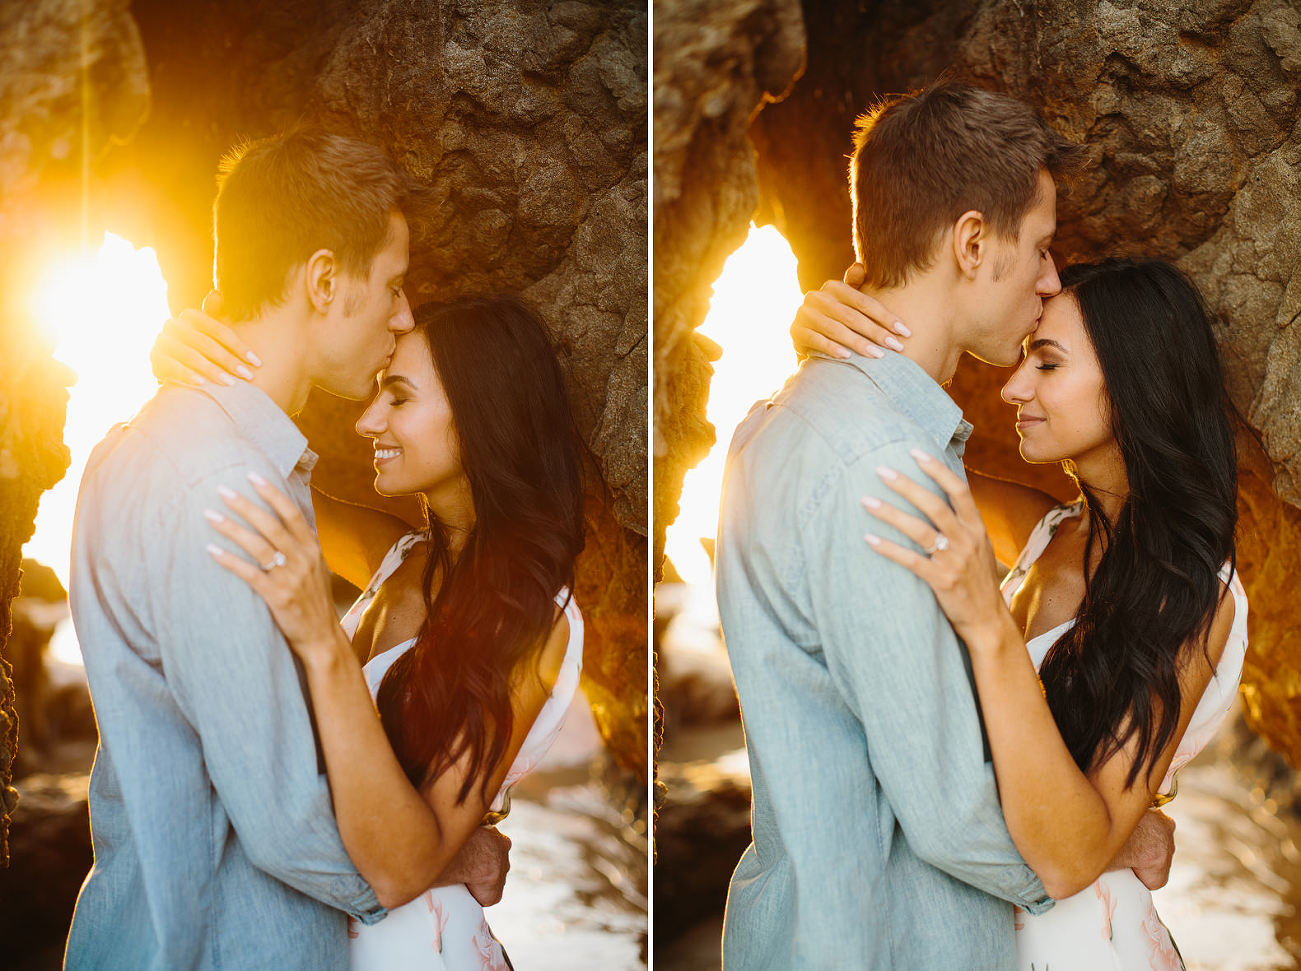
(385, 455)
(1023, 423)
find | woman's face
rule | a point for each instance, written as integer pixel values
(1062, 407)
(410, 423)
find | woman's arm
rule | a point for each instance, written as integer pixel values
(354, 538)
(1009, 510)
(838, 318)
(195, 346)
(401, 839)
(1068, 825)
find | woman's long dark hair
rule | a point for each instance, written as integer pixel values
(1114, 676)
(451, 692)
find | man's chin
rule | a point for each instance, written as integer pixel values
(999, 358)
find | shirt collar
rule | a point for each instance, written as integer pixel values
(263, 423)
(915, 393)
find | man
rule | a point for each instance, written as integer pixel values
(215, 844)
(878, 838)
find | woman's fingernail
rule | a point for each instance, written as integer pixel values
(213, 516)
(257, 361)
(872, 502)
(843, 354)
(214, 550)
(872, 540)
(225, 492)
(888, 474)
(901, 330)
(894, 343)
(244, 372)
(873, 351)
(919, 455)
(226, 379)
(256, 479)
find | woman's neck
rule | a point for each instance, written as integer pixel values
(454, 509)
(1104, 478)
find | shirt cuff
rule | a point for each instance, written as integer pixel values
(367, 909)
(1034, 899)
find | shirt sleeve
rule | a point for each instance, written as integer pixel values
(906, 676)
(237, 682)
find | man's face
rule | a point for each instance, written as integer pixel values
(366, 318)
(1015, 281)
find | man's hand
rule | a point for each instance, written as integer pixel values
(481, 864)
(1149, 850)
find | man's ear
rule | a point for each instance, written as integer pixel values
(321, 278)
(971, 235)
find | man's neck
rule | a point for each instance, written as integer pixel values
(277, 337)
(927, 310)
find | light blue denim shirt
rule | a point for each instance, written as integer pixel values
(878, 837)
(215, 842)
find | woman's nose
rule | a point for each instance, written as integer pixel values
(1017, 390)
(369, 425)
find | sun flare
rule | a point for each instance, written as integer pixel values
(102, 311)
(755, 299)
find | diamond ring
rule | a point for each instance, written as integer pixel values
(275, 561)
(940, 545)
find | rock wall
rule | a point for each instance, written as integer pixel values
(1191, 113)
(526, 123)
(716, 64)
(49, 123)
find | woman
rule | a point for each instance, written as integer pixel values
(1116, 644)
(471, 642)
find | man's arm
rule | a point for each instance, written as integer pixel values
(238, 685)
(902, 670)
(1149, 850)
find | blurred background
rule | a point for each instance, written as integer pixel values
(526, 125)
(1190, 110)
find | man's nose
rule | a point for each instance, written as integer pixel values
(1049, 283)
(403, 321)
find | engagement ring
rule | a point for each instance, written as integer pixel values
(275, 561)
(941, 543)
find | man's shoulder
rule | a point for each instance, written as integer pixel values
(828, 409)
(177, 440)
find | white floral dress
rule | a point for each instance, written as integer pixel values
(445, 928)
(1113, 925)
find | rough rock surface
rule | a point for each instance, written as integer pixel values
(1192, 114)
(526, 123)
(715, 65)
(46, 49)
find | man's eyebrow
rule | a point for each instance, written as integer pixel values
(1048, 341)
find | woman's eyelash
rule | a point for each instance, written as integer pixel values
(1046, 366)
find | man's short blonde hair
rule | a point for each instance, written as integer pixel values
(921, 160)
(281, 199)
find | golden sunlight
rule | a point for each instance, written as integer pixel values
(754, 302)
(102, 310)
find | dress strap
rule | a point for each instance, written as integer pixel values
(1040, 537)
(393, 559)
